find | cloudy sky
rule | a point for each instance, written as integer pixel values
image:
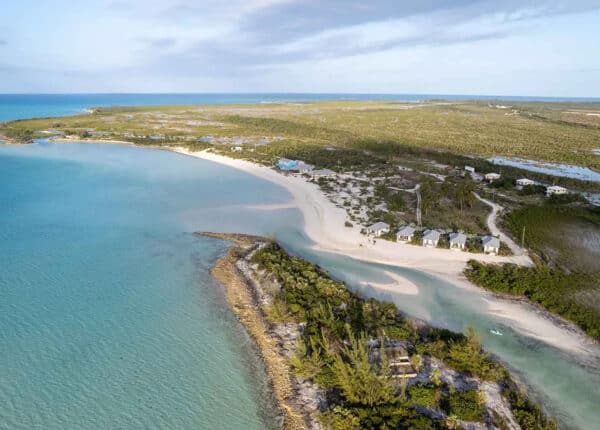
(498, 47)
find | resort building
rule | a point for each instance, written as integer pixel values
(457, 240)
(524, 182)
(322, 173)
(405, 234)
(431, 238)
(490, 244)
(491, 177)
(293, 165)
(470, 169)
(555, 189)
(378, 229)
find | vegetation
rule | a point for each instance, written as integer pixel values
(556, 290)
(337, 349)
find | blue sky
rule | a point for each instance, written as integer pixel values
(526, 47)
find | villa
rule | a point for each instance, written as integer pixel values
(524, 182)
(490, 244)
(378, 229)
(405, 234)
(431, 238)
(322, 173)
(555, 189)
(457, 241)
(491, 177)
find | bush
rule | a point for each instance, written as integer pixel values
(465, 405)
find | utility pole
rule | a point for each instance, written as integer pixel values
(523, 238)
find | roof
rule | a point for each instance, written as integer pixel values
(492, 175)
(525, 181)
(406, 231)
(285, 164)
(556, 188)
(322, 172)
(458, 238)
(379, 226)
(490, 241)
(431, 235)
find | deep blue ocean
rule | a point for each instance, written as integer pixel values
(109, 318)
(20, 106)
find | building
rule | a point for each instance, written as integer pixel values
(322, 173)
(524, 182)
(285, 164)
(457, 240)
(490, 244)
(555, 189)
(431, 238)
(491, 177)
(302, 167)
(470, 169)
(378, 229)
(236, 149)
(405, 234)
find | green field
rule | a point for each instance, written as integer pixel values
(566, 133)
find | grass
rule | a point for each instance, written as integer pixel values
(385, 129)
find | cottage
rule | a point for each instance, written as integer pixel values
(555, 189)
(491, 177)
(236, 149)
(457, 241)
(431, 238)
(490, 244)
(524, 182)
(405, 234)
(378, 229)
(285, 164)
(322, 173)
(470, 169)
(303, 167)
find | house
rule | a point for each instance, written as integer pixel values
(490, 244)
(405, 234)
(491, 177)
(431, 238)
(285, 164)
(302, 167)
(524, 182)
(470, 169)
(322, 173)
(378, 229)
(236, 149)
(457, 240)
(555, 189)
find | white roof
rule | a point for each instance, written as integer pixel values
(490, 241)
(379, 226)
(431, 235)
(406, 231)
(525, 181)
(492, 175)
(556, 188)
(457, 238)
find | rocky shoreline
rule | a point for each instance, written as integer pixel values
(298, 400)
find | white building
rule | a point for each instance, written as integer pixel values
(524, 182)
(490, 244)
(378, 229)
(236, 149)
(431, 238)
(491, 177)
(470, 169)
(405, 234)
(555, 189)
(322, 173)
(457, 240)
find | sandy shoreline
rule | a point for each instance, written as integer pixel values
(324, 225)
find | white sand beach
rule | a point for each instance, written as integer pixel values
(324, 225)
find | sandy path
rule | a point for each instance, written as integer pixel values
(491, 223)
(324, 225)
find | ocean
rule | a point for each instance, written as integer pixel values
(109, 317)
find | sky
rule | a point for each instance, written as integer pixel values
(501, 47)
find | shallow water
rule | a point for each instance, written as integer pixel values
(109, 318)
(556, 169)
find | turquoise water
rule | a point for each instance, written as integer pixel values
(19, 106)
(109, 317)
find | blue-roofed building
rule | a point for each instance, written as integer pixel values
(285, 164)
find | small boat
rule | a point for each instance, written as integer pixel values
(496, 332)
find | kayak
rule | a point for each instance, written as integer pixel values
(496, 332)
